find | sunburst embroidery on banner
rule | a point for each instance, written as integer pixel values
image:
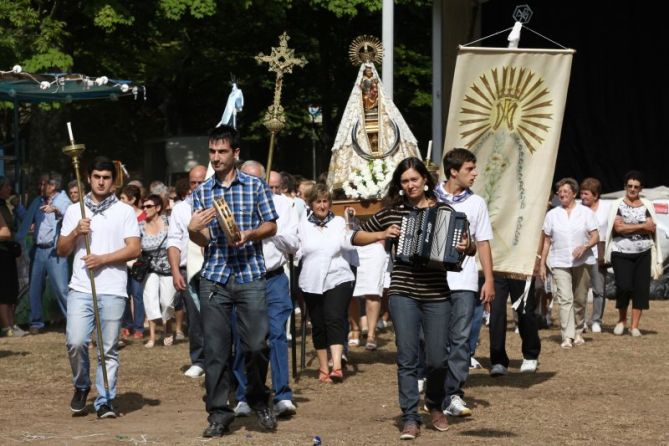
(516, 99)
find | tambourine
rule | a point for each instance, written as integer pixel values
(227, 221)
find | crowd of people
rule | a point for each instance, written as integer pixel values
(160, 257)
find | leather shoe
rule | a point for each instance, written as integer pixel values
(215, 430)
(266, 418)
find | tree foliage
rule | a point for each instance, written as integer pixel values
(187, 51)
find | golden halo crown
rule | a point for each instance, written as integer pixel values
(365, 49)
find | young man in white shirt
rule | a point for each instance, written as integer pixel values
(112, 229)
(460, 170)
(180, 256)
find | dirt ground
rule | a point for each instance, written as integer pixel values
(613, 390)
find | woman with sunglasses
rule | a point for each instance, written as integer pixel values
(159, 290)
(419, 297)
(632, 248)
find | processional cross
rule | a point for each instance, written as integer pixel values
(281, 61)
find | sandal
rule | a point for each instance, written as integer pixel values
(337, 375)
(150, 343)
(371, 344)
(323, 376)
(168, 341)
(354, 340)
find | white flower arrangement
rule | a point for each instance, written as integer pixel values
(369, 183)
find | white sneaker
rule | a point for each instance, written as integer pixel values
(457, 408)
(194, 371)
(284, 408)
(497, 370)
(596, 327)
(578, 340)
(421, 385)
(566, 343)
(474, 364)
(243, 409)
(635, 332)
(529, 366)
(619, 329)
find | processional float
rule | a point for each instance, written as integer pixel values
(372, 138)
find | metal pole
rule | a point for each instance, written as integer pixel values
(270, 156)
(313, 147)
(74, 151)
(293, 331)
(388, 32)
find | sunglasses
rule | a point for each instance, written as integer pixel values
(148, 206)
(633, 186)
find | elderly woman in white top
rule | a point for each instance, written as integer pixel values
(326, 279)
(571, 231)
(633, 249)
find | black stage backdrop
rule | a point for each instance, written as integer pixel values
(617, 111)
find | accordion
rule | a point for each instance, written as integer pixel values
(428, 238)
(227, 221)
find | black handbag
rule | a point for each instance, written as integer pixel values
(142, 265)
(11, 246)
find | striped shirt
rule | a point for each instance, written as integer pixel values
(250, 201)
(407, 280)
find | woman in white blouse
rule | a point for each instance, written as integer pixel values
(326, 279)
(571, 231)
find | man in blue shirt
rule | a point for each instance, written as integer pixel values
(233, 274)
(46, 212)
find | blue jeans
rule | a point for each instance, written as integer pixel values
(46, 262)
(279, 307)
(462, 310)
(195, 338)
(408, 315)
(477, 321)
(136, 293)
(216, 304)
(80, 324)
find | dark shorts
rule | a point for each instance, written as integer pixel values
(9, 279)
(632, 275)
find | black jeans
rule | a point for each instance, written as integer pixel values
(328, 314)
(216, 302)
(528, 325)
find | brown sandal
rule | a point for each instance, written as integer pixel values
(324, 376)
(337, 375)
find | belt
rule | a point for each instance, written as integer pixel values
(274, 273)
(44, 245)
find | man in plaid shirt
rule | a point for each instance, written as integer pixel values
(233, 274)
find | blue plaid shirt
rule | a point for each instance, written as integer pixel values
(250, 201)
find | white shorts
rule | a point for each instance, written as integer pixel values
(158, 297)
(371, 272)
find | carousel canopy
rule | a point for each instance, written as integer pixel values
(16, 86)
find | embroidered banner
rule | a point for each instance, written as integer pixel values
(507, 107)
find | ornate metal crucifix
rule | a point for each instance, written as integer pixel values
(281, 60)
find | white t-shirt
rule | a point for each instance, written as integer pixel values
(108, 233)
(602, 215)
(323, 252)
(567, 232)
(481, 230)
(277, 248)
